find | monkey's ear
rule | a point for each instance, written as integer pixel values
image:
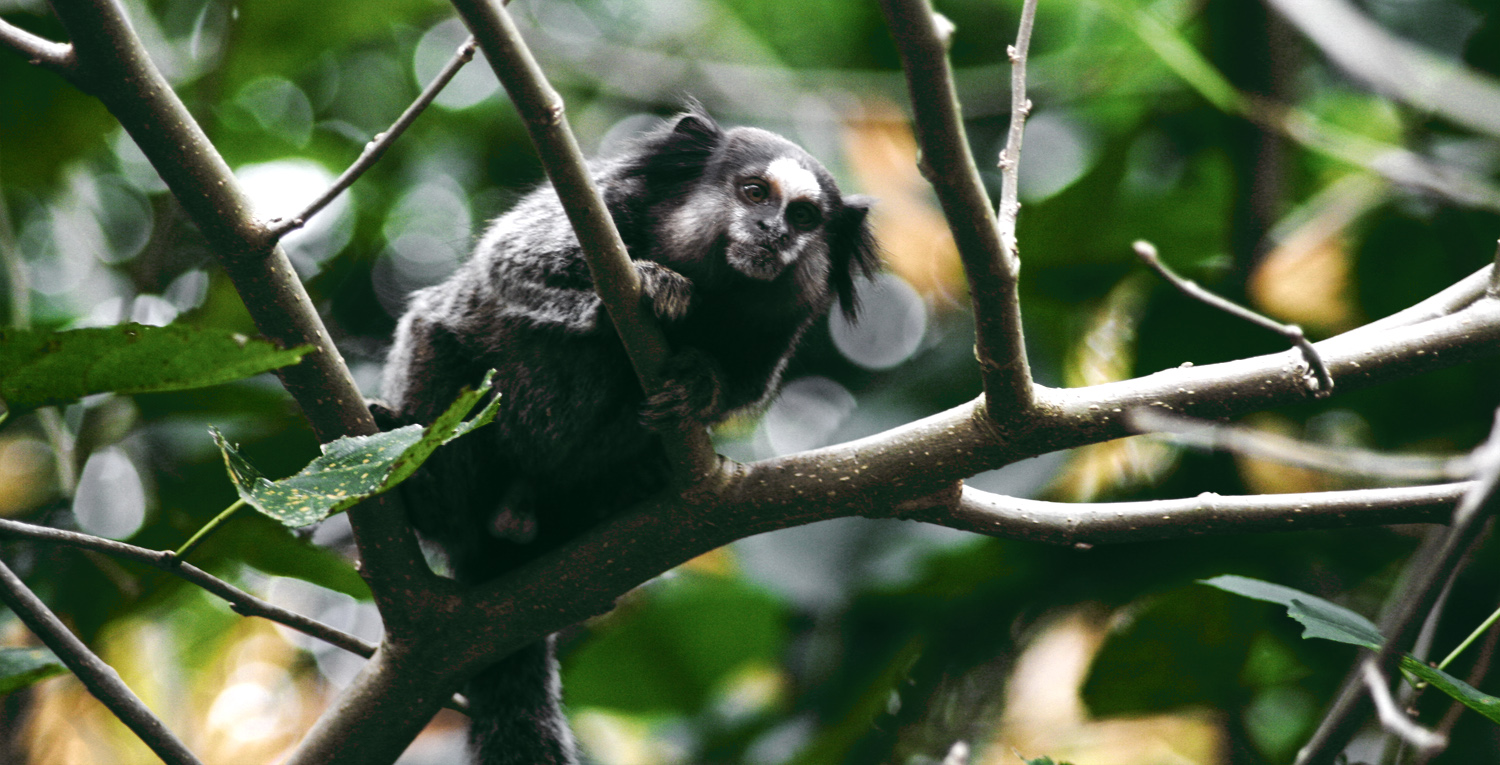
(679, 153)
(853, 248)
(695, 124)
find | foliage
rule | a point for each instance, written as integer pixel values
(1330, 621)
(51, 368)
(853, 641)
(353, 468)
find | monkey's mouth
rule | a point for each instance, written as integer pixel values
(756, 261)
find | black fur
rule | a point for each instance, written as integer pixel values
(735, 281)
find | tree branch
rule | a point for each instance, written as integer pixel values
(1392, 719)
(949, 165)
(1089, 524)
(1321, 381)
(1010, 157)
(101, 679)
(613, 274)
(242, 602)
(116, 69)
(894, 474)
(39, 51)
(375, 149)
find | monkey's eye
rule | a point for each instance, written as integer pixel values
(804, 215)
(756, 191)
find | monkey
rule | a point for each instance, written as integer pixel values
(741, 240)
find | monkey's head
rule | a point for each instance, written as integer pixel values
(755, 204)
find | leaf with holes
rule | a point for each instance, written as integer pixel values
(353, 468)
(40, 368)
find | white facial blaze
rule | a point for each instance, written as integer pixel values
(794, 180)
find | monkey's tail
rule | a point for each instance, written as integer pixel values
(515, 710)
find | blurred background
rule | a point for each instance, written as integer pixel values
(843, 642)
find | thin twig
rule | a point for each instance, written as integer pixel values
(100, 678)
(39, 51)
(375, 149)
(1392, 719)
(242, 602)
(1468, 641)
(948, 165)
(1342, 460)
(1293, 333)
(1010, 157)
(208, 528)
(1481, 501)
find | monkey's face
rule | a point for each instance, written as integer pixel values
(766, 202)
(776, 218)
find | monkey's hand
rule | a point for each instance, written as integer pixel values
(668, 292)
(690, 390)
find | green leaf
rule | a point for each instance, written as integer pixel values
(1044, 761)
(1465, 694)
(21, 667)
(40, 368)
(1330, 622)
(1322, 618)
(352, 468)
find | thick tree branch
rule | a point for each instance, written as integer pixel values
(114, 67)
(375, 149)
(949, 165)
(100, 678)
(897, 473)
(614, 275)
(39, 51)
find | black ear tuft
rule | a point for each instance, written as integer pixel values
(679, 152)
(853, 249)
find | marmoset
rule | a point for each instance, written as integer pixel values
(741, 240)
